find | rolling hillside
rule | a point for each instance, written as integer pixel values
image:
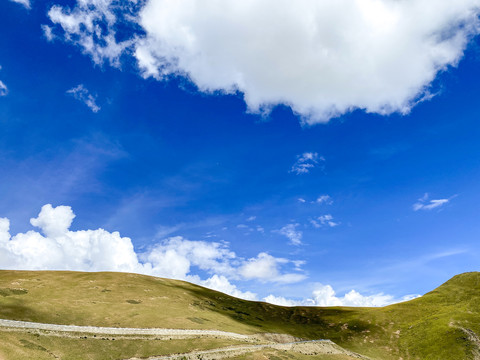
(440, 325)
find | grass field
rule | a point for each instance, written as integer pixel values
(440, 325)
(16, 345)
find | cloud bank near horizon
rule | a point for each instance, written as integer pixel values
(322, 59)
(56, 247)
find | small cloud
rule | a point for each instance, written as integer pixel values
(302, 200)
(324, 199)
(306, 162)
(267, 268)
(3, 89)
(425, 204)
(25, 3)
(298, 264)
(48, 33)
(324, 220)
(291, 232)
(91, 25)
(242, 226)
(251, 218)
(82, 94)
(260, 229)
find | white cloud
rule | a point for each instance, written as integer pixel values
(291, 232)
(324, 295)
(174, 257)
(58, 248)
(280, 300)
(48, 32)
(3, 89)
(251, 218)
(265, 267)
(82, 94)
(221, 283)
(324, 220)
(54, 222)
(25, 3)
(322, 58)
(91, 25)
(425, 204)
(324, 199)
(306, 162)
(302, 200)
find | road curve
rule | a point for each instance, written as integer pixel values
(314, 347)
(306, 347)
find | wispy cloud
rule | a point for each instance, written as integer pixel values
(291, 232)
(91, 26)
(48, 32)
(324, 199)
(164, 231)
(25, 3)
(306, 162)
(324, 220)
(424, 203)
(82, 94)
(3, 89)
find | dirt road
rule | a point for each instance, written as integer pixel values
(315, 347)
(262, 341)
(119, 331)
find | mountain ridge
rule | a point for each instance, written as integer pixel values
(442, 324)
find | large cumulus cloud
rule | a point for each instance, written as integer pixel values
(321, 58)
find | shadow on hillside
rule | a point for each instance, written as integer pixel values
(16, 310)
(303, 321)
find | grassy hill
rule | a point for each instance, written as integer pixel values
(440, 325)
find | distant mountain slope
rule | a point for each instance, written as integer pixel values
(442, 324)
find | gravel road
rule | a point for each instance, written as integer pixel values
(315, 347)
(119, 331)
(276, 341)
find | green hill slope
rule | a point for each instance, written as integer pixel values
(440, 325)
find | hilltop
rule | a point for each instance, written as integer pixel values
(442, 324)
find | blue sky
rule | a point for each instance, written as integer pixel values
(290, 180)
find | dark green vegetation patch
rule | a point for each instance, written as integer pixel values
(135, 302)
(8, 291)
